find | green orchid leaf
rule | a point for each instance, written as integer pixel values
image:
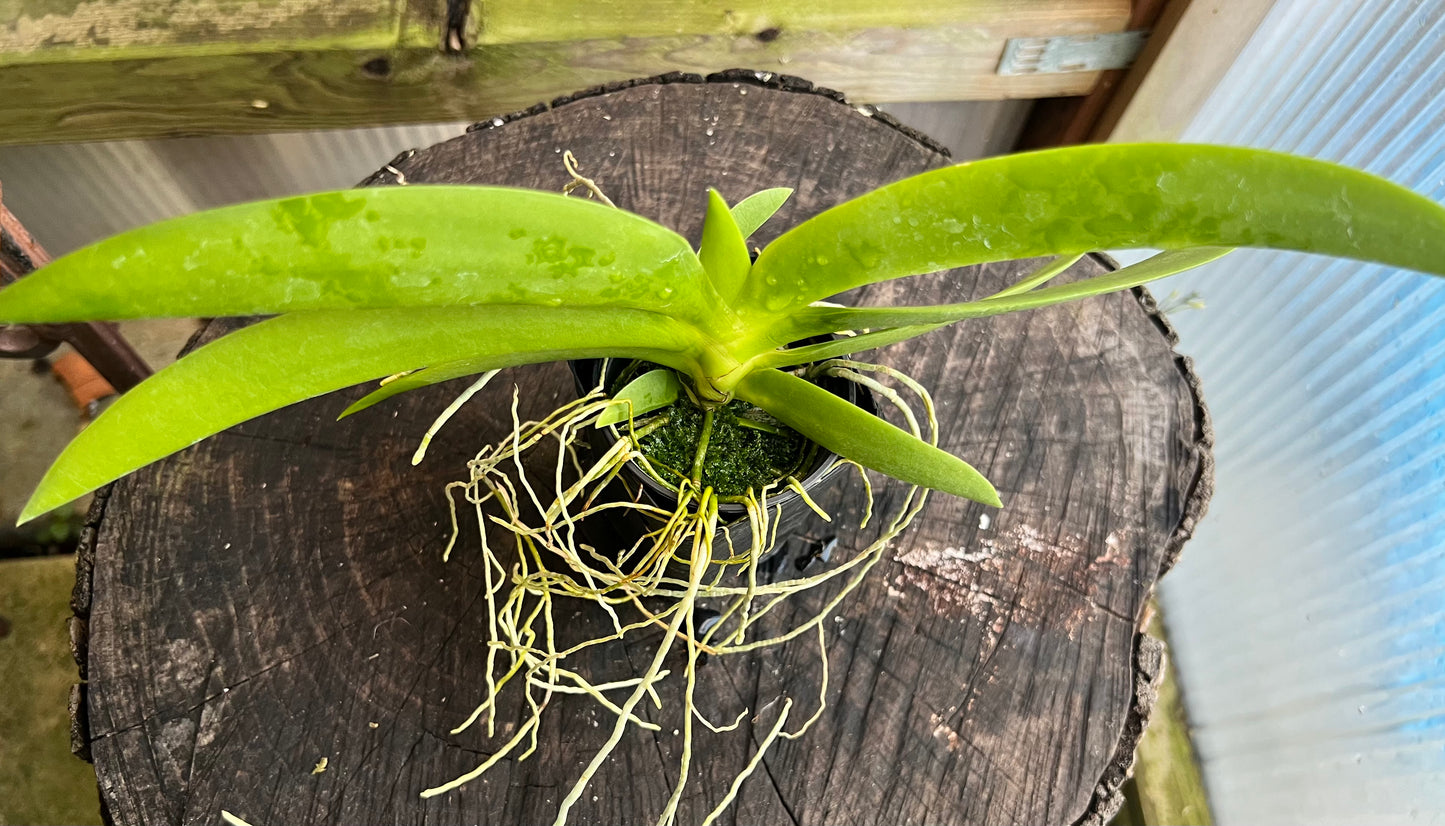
(843, 346)
(854, 433)
(296, 356)
(650, 391)
(723, 252)
(817, 320)
(872, 339)
(753, 211)
(1080, 199)
(370, 248)
(1045, 273)
(1150, 269)
(415, 380)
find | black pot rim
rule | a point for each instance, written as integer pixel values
(587, 373)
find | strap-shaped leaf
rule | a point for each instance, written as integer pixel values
(857, 434)
(753, 211)
(650, 391)
(1048, 271)
(415, 380)
(383, 247)
(871, 339)
(723, 252)
(427, 376)
(817, 320)
(1080, 199)
(284, 360)
(843, 346)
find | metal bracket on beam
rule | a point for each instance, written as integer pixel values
(1070, 53)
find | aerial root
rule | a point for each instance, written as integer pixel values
(677, 565)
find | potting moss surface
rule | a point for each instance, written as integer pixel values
(740, 456)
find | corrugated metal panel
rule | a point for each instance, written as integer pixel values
(71, 194)
(1308, 615)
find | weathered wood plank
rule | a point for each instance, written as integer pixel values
(1203, 44)
(261, 600)
(380, 69)
(523, 21)
(174, 97)
(1071, 120)
(47, 31)
(51, 31)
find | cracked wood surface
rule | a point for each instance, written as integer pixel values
(276, 595)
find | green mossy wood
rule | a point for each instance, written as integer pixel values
(275, 595)
(74, 70)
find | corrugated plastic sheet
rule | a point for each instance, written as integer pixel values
(1308, 614)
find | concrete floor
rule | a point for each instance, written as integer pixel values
(40, 782)
(36, 420)
(37, 417)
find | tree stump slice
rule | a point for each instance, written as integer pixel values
(275, 595)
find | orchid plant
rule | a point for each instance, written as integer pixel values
(423, 284)
(437, 282)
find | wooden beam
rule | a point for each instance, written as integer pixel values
(83, 71)
(526, 21)
(1175, 83)
(1065, 121)
(65, 31)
